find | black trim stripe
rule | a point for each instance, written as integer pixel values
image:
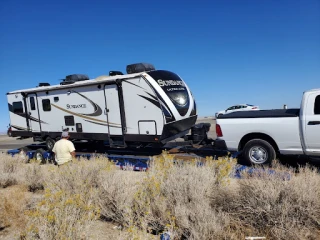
(154, 102)
(103, 124)
(24, 115)
(170, 118)
(133, 84)
(82, 116)
(97, 109)
(18, 127)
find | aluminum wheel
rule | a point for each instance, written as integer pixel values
(258, 155)
(39, 156)
(50, 145)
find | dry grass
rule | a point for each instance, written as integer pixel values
(188, 200)
(13, 202)
(11, 170)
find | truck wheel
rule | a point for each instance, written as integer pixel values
(258, 151)
(50, 143)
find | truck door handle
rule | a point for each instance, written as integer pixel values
(314, 123)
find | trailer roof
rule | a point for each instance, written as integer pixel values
(103, 79)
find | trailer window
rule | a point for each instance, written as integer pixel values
(317, 105)
(17, 107)
(46, 106)
(32, 104)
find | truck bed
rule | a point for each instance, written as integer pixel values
(282, 125)
(274, 113)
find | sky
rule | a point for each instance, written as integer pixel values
(262, 52)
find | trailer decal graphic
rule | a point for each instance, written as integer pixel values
(81, 115)
(156, 103)
(166, 110)
(162, 104)
(104, 124)
(19, 128)
(133, 84)
(97, 109)
(24, 115)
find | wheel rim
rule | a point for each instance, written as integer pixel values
(50, 144)
(258, 155)
(39, 157)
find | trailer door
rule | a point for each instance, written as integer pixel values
(113, 111)
(33, 113)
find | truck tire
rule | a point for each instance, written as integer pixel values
(258, 152)
(50, 143)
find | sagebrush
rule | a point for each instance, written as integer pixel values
(198, 199)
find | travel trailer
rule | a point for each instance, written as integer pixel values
(143, 106)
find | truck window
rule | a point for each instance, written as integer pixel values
(46, 106)
(317, 105)
(32, 103)
(17, 107)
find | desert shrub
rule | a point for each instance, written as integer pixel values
(10, 170)
(176, 198)
(60, 215)
(69, 205)
(116, 194)
(273, 206)
(34, 177)
(13, 202)
(79, 175)
(196, 199)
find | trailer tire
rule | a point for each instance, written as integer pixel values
(23, 154)
(38, 155)
(258, 152)
(50, 143)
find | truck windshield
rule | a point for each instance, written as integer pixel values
(174, 87)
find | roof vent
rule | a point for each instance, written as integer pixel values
(115, 73)
(74, 78)
(139, 67)
(44, 84)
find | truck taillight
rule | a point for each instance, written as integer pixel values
(218, 131)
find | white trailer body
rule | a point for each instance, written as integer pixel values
(146, 107)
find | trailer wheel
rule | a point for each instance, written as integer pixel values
(38, 155)
(23, 154)
(50, 143)
(258, 151)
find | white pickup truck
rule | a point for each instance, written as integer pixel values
(260, 136)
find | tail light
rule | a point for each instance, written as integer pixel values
(218, 131)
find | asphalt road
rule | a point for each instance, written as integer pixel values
(7, 143)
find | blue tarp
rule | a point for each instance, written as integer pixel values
(139, 163)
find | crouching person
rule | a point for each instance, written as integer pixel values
(64, 151)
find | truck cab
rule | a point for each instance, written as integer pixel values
(310, 122)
